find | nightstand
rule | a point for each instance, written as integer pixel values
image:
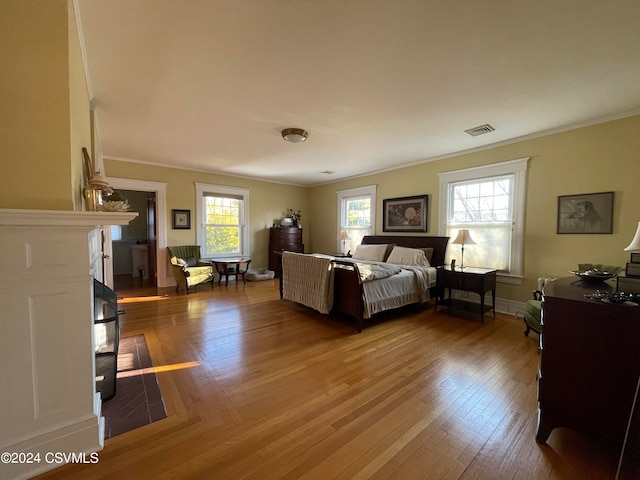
(468, 279)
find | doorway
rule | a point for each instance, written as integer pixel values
(139, 259)
(134, 259)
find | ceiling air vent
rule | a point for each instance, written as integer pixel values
(481, 130)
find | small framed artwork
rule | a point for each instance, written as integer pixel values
(405, 214)
(586, 213)
(181, 219)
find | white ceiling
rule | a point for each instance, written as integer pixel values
(209, 84)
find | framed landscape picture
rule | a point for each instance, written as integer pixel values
(586, 213)
(405, 214)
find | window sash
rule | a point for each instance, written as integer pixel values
(491, 250)
(222, 213)
(223, 225)
(498, 233)
(486, 200)
(356, 215)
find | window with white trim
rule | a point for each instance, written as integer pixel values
(356, 216)
(222, 213)
(489, 202)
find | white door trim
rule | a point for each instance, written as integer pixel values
(160, 189)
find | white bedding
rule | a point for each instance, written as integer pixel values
(411, 285)
(308, 279)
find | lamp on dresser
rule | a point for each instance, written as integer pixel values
(630, 282)
(634, 246)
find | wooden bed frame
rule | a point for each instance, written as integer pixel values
(348, 295)
(348, 298)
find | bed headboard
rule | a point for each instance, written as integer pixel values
(439, 244)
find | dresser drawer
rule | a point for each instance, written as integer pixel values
(450, 280)
(291, 235)
(474, 283)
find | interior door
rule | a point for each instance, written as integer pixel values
(152, 235)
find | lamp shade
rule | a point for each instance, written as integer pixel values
(634, 246)
(343, 235)
(464, 238)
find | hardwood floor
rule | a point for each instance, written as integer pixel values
(258, 388)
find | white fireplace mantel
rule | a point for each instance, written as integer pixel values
(34, 218)
(48, 400)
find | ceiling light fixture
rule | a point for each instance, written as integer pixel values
(294, 135)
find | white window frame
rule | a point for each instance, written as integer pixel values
(517, 168)
(205, 189)
(344, 195)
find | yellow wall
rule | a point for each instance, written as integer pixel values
(592, 159)
(80, 116)
(44, 123)
(268, 201)
(40, 132)
(587, 160)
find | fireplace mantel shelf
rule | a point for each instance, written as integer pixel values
(24, 217)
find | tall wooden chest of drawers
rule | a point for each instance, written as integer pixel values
(589, 363)
(281, 239)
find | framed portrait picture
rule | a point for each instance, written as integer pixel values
(181, 219)
(405, 214)
(586, 213)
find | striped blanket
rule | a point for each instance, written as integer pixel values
(308, 280)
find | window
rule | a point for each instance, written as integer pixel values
(222, 213)
(116, 233)
(489, 202)
(356, 216)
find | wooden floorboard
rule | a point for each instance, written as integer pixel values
(257, 388)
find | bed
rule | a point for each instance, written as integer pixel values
(346, 286)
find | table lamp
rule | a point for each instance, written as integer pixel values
(463, 238)
(634, 246)
(344, 236)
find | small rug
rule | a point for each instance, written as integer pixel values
(138, 400)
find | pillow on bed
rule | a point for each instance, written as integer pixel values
(373, 253)
(408, 256)
(428, 251)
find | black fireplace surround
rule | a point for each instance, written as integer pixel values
(106, 332)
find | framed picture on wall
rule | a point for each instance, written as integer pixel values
(586, 213)
(405, 214)
(181, 219)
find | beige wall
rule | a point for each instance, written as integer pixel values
(591, 159)
(44, 123)
(80, 116)
(597, 158)
(40, 57)
(268, 201)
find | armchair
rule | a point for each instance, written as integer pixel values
(533, 310)
(532, 314)
(187, 268)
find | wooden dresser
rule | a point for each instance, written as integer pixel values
(281, 239)
(589, 362)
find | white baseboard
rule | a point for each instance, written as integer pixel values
(48, 450)
(503, 305)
